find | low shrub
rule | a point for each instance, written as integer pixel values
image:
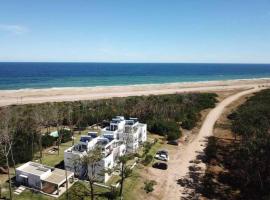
(47, 141)
(146, 147)
(149, 186)
(148, 159)
(169, 129)
(211, 149)
(66, 136)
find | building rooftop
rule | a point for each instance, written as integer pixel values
(85, 138)
(130, 122)
(135, 119)
(34, 168)
(58, 176)
(120, 117)
(103, 141)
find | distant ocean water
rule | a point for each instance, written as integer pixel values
(15, 75)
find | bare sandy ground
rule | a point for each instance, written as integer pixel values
(180, 161)
(26, 96)
(180, 156)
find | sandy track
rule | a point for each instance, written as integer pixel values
(179, 163)
(26, 96)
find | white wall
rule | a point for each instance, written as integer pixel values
(136, 138)
(104, 164)
(144, 133)
(33, 180)
(70, 160)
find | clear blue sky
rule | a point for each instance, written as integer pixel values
(135, 30)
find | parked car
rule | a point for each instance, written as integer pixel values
(162, 155)
(160, 165)
(173, 142)
(163, 151)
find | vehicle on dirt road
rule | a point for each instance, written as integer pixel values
(160, 165)
(173, 142)
(162, 155)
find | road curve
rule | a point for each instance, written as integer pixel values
(179, 168)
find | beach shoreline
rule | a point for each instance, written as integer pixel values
(28, 96)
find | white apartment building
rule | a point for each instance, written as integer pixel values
(111, 149)
(130, 132)
(120, 137)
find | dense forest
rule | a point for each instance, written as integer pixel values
(164, 114)
(246, 158)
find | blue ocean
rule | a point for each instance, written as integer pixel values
(15, 75)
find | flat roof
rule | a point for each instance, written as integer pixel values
(58, 176)
(34, 168)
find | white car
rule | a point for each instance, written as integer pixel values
(162, 157)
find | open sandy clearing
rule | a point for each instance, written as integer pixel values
(179, 163)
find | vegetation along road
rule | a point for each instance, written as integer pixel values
(179, 165)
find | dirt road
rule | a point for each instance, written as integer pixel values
(179, 163)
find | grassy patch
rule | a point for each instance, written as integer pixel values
(54, 159)
(131, 185)
(113, 180)
(78, 191)
(27, 194)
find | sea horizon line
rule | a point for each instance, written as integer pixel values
(120, 62)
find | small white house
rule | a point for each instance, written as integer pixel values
(46, 179)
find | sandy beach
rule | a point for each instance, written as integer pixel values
(27, 96)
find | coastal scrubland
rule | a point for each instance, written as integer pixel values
(237, 156)
(29, 125)
(164, 114)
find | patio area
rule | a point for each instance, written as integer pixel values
(55, 184)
